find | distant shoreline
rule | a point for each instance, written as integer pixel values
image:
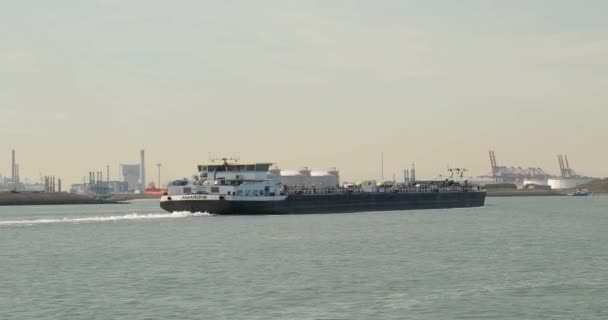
(48, 198)
(524, 194)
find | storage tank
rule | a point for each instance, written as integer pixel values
(336, 174)
(323, 179)
(292, 178)
(275, 173)
(567, 183)
(538, 182)
(307, 178)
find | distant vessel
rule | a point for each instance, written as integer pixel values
(580, 193)
(247, 188)
(155, 191)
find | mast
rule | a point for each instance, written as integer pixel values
(382, 165)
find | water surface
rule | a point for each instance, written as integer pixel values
(516, 258)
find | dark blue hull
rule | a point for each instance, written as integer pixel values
(334, 203)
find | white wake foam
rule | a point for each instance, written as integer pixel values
(131, 216)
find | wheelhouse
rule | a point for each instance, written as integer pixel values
(234, 167)
(234, 171)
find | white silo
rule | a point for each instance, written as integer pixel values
(336, 174)
(292, 178)
(321, 179)
(567, 183)
(538, 182)
(306, 176)
(275, 172)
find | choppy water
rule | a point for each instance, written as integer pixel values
(517, 258)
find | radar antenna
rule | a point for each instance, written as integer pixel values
(462, 171)
(225, 160)
(459, 172)
(451, 173)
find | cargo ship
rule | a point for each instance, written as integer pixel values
(234, 188)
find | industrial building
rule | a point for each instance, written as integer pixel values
(107, 186)
(135, 174)
(130, 175)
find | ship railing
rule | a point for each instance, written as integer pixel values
(399, 189)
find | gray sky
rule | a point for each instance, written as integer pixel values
(319, 83)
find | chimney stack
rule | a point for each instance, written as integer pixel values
(13, 168)
(413, 174)
(142, 171)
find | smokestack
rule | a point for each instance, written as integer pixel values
(142, 171)
(413, 174)
(13, 169)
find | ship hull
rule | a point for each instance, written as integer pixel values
(333, 203)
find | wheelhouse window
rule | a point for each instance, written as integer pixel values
(215, 189)
(212, 168)
(262, 167)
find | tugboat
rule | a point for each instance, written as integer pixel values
(248, 188)
(153, 190)
(580, 193)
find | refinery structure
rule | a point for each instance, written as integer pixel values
(133, 180)
(534, 176)
(96, 183)
(14, 183)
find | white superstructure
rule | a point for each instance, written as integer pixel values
(228, 181)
